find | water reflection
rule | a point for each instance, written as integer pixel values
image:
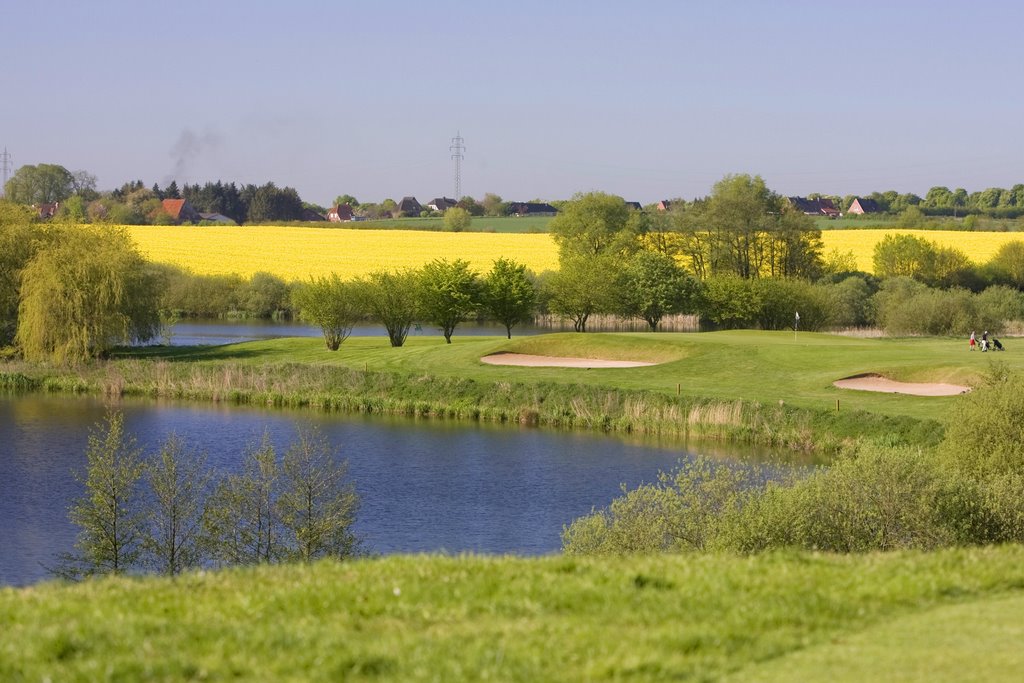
(425, 485)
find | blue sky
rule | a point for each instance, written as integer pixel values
(648, 100)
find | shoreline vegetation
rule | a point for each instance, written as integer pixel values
(426, 380)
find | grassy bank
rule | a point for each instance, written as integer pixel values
(474, 618)
(767, 388)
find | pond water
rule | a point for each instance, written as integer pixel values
(193, 332)
(425, 485)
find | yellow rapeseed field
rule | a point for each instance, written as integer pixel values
(979, 246)
(296, 253)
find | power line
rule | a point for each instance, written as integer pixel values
(457, 148)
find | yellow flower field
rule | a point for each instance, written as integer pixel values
(295, 253)
(979, 246)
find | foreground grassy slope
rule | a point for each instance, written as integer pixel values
(474, 618)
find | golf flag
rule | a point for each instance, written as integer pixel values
(796, 323)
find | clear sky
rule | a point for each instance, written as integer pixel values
(648, 100)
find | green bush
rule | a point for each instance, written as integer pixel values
(850, 302)
(905, 306)
(687, 510)
(780, 299)
(729, 302)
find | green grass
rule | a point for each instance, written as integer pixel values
(766, 367)
(478, 224)
(850, 223)
(418, 618)
(979, 640)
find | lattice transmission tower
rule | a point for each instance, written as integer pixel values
(457, 148)
(5, 163)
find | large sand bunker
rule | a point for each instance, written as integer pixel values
(872, 382)
(526, 360)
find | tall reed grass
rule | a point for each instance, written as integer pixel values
(328, 388)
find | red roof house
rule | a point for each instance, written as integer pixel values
(181, 211)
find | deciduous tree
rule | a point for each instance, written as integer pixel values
(108, 514)
(457, 219)
(508, 294)
(596, 223)
(582, 287)
(318, 503)
(333, 305)
(178, 480)
(493, 205)
(42, 184)
(449, 292)
(391, 298)
(653, 286)
(241, 523)
(83, 292)
(19, 240)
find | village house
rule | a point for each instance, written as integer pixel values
(48, 210)
(408, 207)
(531, 209)
(860, 207)
(814, 207)
(664, 205)
(181, 211)
(340, 213)
(442, 204)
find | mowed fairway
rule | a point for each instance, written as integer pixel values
(297, 253)
(766, 367)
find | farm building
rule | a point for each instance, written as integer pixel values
(340, 213)
(814, 207)
(47, 210)
(409, 207)
(181, 211)
(531, 209)
(216, 218)
(862, 206)
(441, 204)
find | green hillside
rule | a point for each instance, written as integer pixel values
(430, 618)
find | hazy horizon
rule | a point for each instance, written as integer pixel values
(650, 101)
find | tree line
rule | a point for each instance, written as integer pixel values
(169, 512)
(740, 258)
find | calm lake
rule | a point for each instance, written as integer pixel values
(426, 486)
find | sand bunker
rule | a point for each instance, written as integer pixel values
(526, 360)
(888, 386)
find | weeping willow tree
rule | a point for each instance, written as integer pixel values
(19, 238)
(86, 290)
